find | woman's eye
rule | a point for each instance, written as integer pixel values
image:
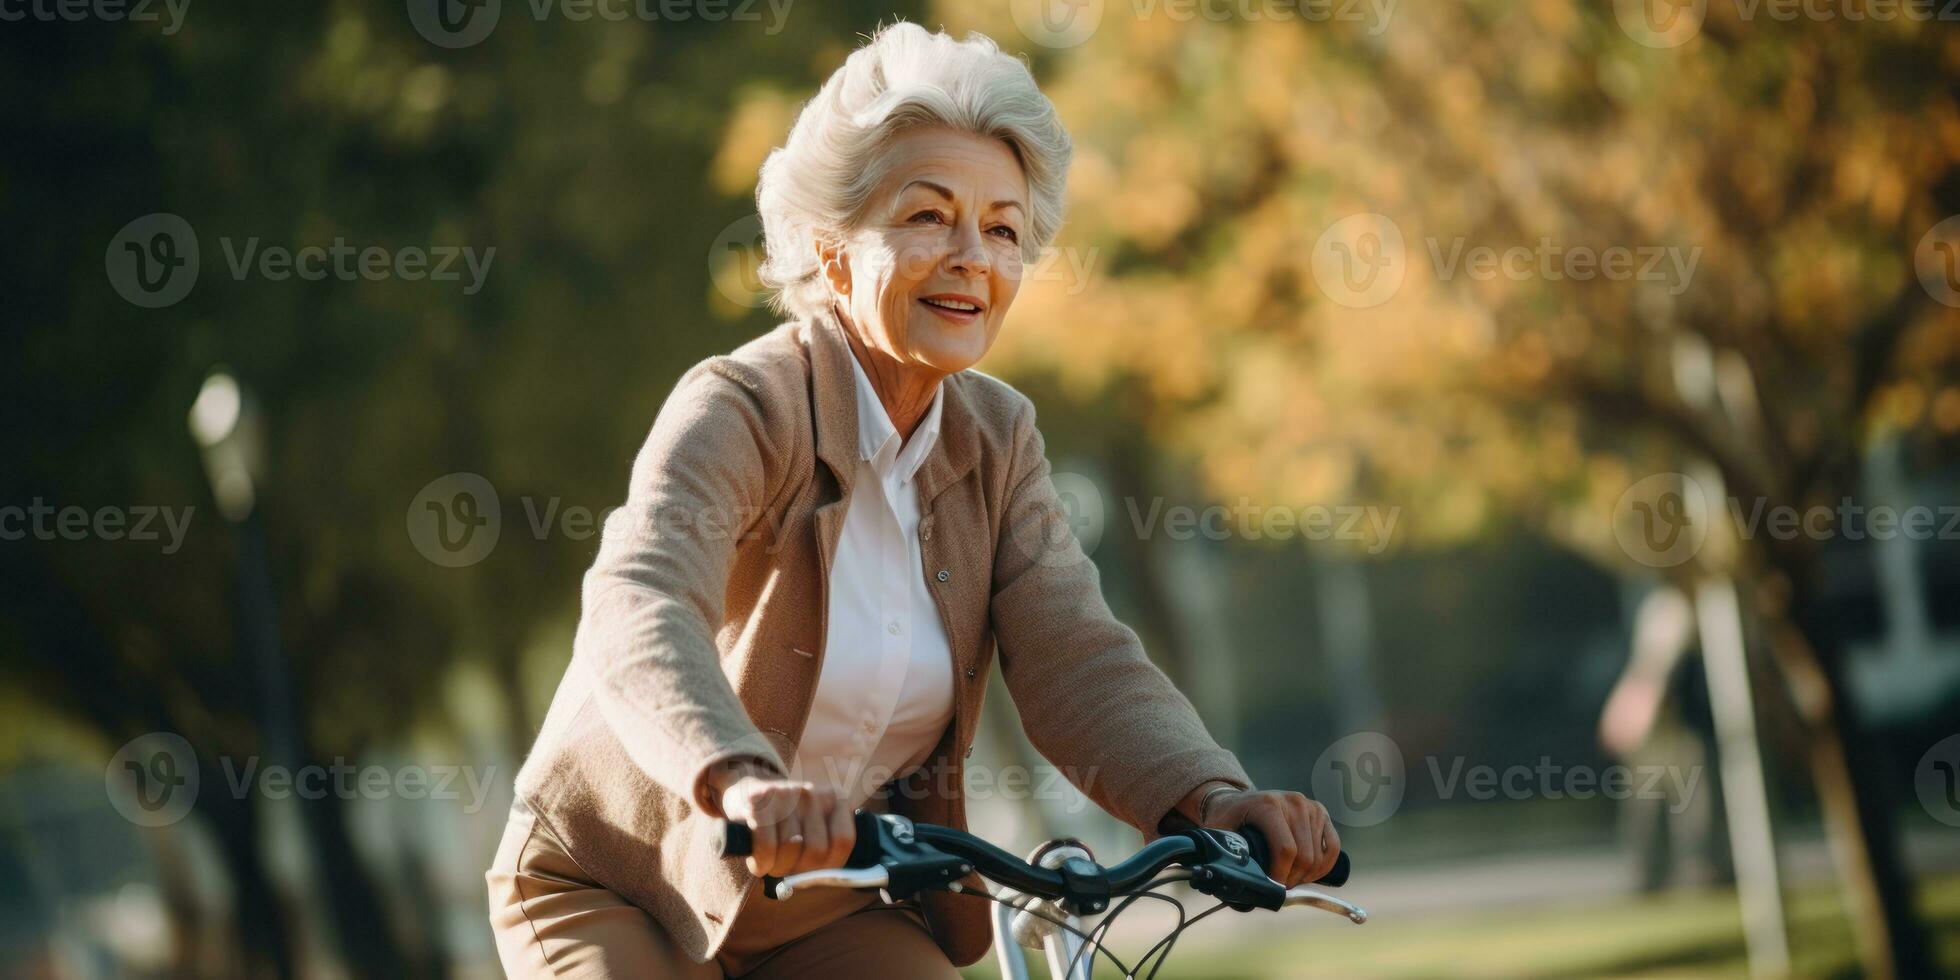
(933, 215)
(1008, 233)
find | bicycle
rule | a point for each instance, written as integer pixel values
(1046, 896)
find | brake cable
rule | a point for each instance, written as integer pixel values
(988, 893)
(1102, 928)
(1170, 941)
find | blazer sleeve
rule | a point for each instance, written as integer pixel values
(1090, 700)
(653, 598)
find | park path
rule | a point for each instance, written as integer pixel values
(1513, 880)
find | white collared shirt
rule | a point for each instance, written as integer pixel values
(886, 692)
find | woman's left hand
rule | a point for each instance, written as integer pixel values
(1301, 834)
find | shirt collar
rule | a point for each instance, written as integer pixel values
(878, 438)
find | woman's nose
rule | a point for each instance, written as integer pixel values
(969, 254)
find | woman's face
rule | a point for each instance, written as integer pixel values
(929, 273)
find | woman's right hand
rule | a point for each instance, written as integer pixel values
(796, 825)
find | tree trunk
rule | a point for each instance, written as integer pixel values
(1854, 783)
(259, 912)
(367, 938)
(1858, 803)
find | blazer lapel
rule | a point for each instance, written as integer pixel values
(957, 450)
(833, 399)
(833, 394)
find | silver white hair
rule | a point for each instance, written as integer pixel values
(820, 181)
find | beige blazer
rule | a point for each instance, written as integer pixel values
(702, 631)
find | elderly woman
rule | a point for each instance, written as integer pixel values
(828, 534)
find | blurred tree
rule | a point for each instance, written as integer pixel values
(1780, 173)
(579, 149)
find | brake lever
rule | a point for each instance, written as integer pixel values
(1327, 903)
(1224, 868)
(1235, 851)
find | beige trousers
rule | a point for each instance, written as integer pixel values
(551, 920)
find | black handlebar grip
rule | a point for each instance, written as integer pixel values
(737, 840)
(1262, 854)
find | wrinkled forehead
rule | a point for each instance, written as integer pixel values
(934, 162)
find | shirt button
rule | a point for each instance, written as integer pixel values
(891, 628)
(944, 575)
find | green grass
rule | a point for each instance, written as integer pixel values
(1684, 934)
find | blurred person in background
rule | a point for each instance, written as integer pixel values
(1657, 716)
(827, 533)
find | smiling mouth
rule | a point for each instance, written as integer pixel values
(958, 311)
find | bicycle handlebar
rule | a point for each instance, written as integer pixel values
(919, 856)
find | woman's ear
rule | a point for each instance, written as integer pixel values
(835, 264)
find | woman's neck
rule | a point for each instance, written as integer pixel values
(904, 390)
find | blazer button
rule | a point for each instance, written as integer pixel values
(944, 575)
(970, 672)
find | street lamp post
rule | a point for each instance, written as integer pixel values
(231, 441)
